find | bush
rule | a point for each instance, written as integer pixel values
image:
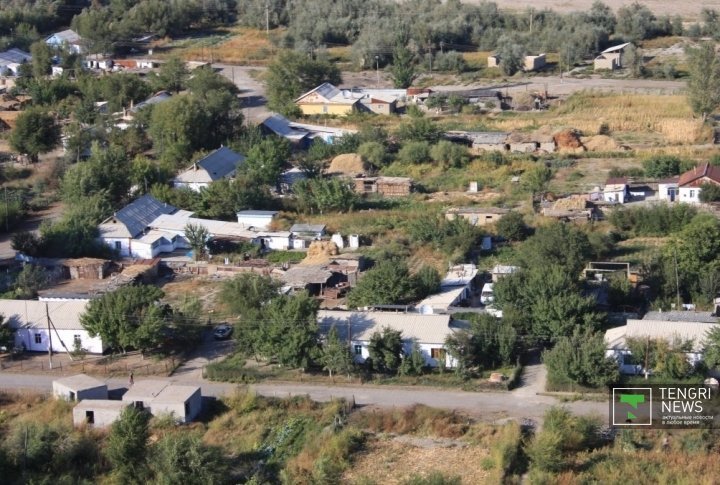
(286, 256)
(414, 152)
(545, 452)
(666, 166)
(709, 192)
(450, 154)
(654, 220)
(512, 227)
(450, 61)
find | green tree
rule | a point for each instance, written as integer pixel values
(388, 283)
(419, 129)
(7, 334)
(704, 79)
(184, 458)
(512, 227)
(426, 282)
(35, 132)
(635, 22)
(265, 161)
(373, 153)
(711, 352)
(403, 67)
(536, 180)
(30, 279)
(633, 61)
(414, 152)
(580, 359)
(41, 59)
(557, 244)
(127, 445)
(511, 53)
(173, 75)
(197, 237)
(323, 195)
(386, 350)
(413, 364)
(709, 192)
(449, 154)
(124, 318)
(336, 357)
(291, 74)
(289, 331)
(104, 174)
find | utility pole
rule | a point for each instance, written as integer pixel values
(377, 71)
(677, 279)
(47, 315)
(267, 18)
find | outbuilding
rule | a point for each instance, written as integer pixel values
(79, 387)
(97, 413)
(161, 397)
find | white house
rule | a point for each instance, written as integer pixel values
(256, 218)
(162, 397)
(668, 189)
(219, 164)
(304, 234)
(29, 320)
(428, 331)
(616, 190)
(97, 413)
(690, 182)
(125, 231)
(12, 59)
(68, 39)
(669, 326)
(454, 288)
(79, 387)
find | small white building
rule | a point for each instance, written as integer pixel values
(79, 387)
(428, 331)
(160, 397)
(33, 332)
(616, 190)
(219, 164)
(97, 413)
(669, 326)
(66, 39)
(304, 234)
(256, 219)
(668, 189)
(691, 182)
(500, 271)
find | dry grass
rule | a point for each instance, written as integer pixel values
(240, 45)
(667, 116)
(416, 420)
(476, 59)
(389, 461)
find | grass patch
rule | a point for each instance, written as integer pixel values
(286, 256)
(235, 45)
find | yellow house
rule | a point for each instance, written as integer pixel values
(326, 99)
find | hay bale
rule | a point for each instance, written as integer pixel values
(350, 164)
(320, 252)
(568, 141)
(600, 143)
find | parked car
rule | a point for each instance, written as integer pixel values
(222, 332)
(487, 296)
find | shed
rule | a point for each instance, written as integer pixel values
(611, 58)
(385, 186)
(79, 387)
(477, 216)
(258, 219)
(184, 403)
(142, 393)
(533, 63)
(98, 413)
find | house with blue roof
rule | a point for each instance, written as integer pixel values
(220, 164)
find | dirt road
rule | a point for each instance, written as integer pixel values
(252, 91)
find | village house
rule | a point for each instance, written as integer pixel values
(302, 134)
(79, 387)
(256, 219)
(534, 62)
(674, 326)
(476, 216)
(304, 234)
(326, 99)
(68, 39)
(428, 331)
(611, 58)
(690, 183)
(457, 286)
(34, 330)
(616, 190)
(11, 60)
(161, 398)
(218, 164)
(385, 186)
(668, 189)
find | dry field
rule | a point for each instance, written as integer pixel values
(688, 10)
(236, 45)
(391, 461)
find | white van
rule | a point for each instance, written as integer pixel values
(486, 296)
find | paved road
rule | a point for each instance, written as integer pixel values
(488, 406)
(209, 351)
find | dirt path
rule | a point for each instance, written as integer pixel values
(252, 90)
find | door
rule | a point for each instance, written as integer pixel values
(90, 417)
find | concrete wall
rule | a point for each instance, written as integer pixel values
(258, 222)
(691, 195)
(477, 219)
(665, 190)
(103, 416)
(184, 412)
(64, 392)
(26, 336)
(326, 109)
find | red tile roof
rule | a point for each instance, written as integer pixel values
(694, 177)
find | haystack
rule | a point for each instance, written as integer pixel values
(568, 141)
(600, 143)
(350, 164)
(320, 252)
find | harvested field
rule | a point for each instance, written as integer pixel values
(392, 460)
(600, 143)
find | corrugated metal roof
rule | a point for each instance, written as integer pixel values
(217, 165)
(80, 381)
(681, 316)
(426, 329)
(156, 98)
(659, 329)
(478, 210)
(281, 126)
(443, 300)
(69, 36)
(330, 94)
(616, 47)
(250, 212)
(135, 217)
(16, 56)
(65, 315)
(177, 222)
(313, 228)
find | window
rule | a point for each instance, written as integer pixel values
(692, 194)
(77, 341)
(358, 349)
(438, 354)
(325, 108)
(38, 338)
(118, 245)
(139, 405)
